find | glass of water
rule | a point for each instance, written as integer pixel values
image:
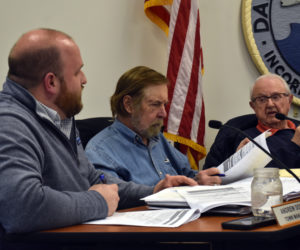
(266, 191)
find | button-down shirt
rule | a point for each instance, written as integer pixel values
(121, 152)
(64, 126)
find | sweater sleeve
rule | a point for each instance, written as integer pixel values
(284, 149)
(29, 202)
(130, 193)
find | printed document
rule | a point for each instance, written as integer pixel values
(290, 186)
(196, 199)
(151, 218)
(241, 164)
(203, 198)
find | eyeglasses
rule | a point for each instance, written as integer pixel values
(264, 99)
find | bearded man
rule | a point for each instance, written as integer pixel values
(46, 180)
(133, 147)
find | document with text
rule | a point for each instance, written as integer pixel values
(151, 218)
(195, 199)
(206, 198)
(241, 164)
(290, 186)
(203, 198)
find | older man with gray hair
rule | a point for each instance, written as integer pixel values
(269, 95)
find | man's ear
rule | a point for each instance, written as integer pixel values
(51, 83)
(290, 99)
(127, 103)
(251, 104)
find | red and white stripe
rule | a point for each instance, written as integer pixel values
(186, 115)
(185, 122)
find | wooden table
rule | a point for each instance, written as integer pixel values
(205, 229)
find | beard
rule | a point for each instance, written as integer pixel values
(69, 103)
(151, 131)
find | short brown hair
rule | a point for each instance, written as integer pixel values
(30, 66)
(132, 83)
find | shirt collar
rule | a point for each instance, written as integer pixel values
(65, 126)
(262, 128)
(131, 135)
(24, 96)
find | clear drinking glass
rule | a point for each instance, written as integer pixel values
(266, 191)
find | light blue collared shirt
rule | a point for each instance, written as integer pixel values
(121, 152)
(64, 126)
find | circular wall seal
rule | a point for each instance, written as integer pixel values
(272, 34)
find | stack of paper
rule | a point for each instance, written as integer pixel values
(203, 198)
(242, 163)
(206, 198)
(151, 218)
(291, 188)
(196, 199)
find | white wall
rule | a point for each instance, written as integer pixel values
(116, 35)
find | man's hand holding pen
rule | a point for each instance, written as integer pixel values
(210, 176)
(109, 193)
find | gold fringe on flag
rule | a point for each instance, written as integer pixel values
(155, 11)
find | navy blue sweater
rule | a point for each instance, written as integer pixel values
(280, 145)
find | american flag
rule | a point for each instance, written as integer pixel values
(185, 123)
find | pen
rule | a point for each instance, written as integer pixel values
(220, 175)
(102, 178)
